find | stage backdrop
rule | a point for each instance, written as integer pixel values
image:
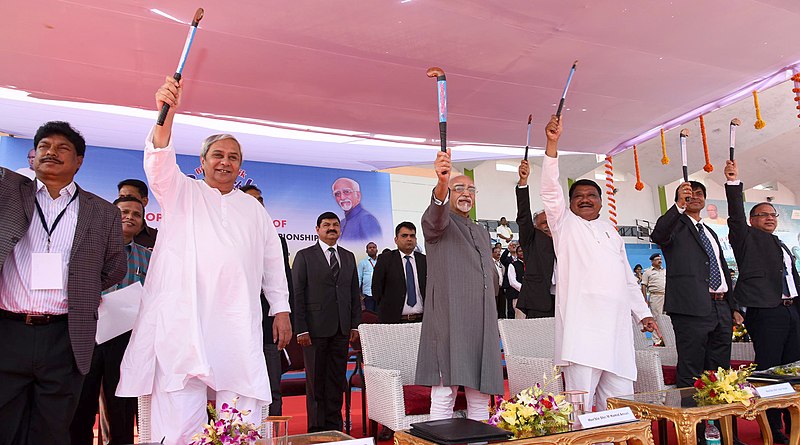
(293, 195)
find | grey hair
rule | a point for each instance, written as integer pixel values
(216, 138)
(356, 186)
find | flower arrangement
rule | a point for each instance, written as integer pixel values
(533, 412)
(227, 428)
(725, 386)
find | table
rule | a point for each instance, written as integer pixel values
(320, 437)
(678, 406)
(635, 433)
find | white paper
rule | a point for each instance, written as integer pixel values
(47, 271)
(779, 389)
(610, 417)
(117, 312)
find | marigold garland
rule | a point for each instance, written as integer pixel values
(664, 157)
(759, 122)
(796, 90)
(639, 185)
(708, 167)
(612, 202)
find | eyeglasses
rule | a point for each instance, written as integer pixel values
(764, 215)
(459, 188)
(345, 192)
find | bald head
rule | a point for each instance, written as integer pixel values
(347, 193)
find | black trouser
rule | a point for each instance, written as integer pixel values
(273, 358)
(120, 411)
(511, 295)
(776, 339)
(326, 370)
(39, 383)
(501, 304)
(703, 342)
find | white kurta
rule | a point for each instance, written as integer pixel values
(596, 293)
(201, 313)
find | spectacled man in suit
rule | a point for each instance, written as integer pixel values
(327, 312)
(60, 246)
(767, 286)
(538, 294)
(698, 297)
(398, 282)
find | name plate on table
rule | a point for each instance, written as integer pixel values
(610, 417)
(780, 389)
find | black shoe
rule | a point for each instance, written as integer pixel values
(778, 437)
(385, 434)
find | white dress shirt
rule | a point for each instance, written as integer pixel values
(16, 294)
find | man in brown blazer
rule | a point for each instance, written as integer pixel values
(60, 246)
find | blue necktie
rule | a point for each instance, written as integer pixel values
(715, 280)
(411, 288)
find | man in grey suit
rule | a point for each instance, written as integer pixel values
(327, 314)
(459, 343)
(60, 246)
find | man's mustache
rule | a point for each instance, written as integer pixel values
(50, 159)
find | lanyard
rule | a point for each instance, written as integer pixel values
(56, 221)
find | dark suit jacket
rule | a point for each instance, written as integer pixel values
(389, 284)
(759, 256)
(318, 298)
(687, 265)
(505, 260)
(97, 260)
(266, 320)
(540, 257)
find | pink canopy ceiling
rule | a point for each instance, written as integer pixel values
(360, 65)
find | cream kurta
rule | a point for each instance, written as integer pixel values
(596, 291)
(201, 313)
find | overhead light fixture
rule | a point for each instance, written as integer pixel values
(501, 167)
(767, 186)
(165, 15)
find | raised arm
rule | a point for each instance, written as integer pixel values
(665, 225)
(437, 217)
(524, 217)
(551, 192)
(737, 221)
(160, 161)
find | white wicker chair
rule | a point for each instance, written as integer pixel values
(743, 351)
(529, 347)
(534, 337)
(144, 419)
(390, 361)
(668, 353)
(649, 375)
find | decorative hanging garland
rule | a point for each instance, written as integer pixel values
(759, 122)
(639, 185)
(664, 157)
(612, 202)
(708, 167)
(796, 90)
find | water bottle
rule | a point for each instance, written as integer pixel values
(712, 434)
